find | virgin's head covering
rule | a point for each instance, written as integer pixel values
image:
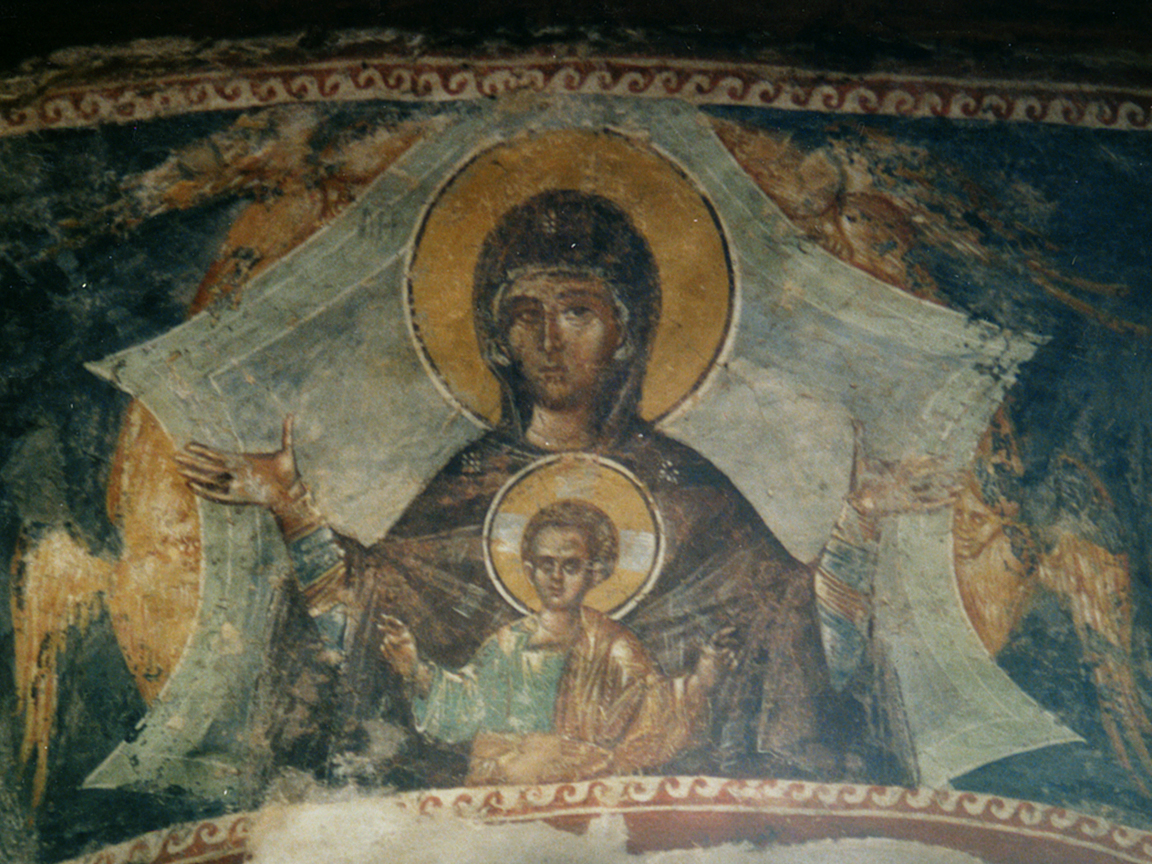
(569, 232)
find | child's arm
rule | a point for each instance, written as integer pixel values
(398, 648)
(537, 757)
(718, 655)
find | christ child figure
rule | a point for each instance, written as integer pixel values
(565, 693)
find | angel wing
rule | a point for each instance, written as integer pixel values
(1094, 585)
(58, 584)
(151, 592)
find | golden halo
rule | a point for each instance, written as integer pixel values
(678, 223)
(612, 488)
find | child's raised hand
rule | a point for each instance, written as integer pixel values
(398, 646)
(718, 655)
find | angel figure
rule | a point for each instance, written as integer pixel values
(1054, 552)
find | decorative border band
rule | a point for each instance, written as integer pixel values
(675, 812)
(215, 841)
(460, 78)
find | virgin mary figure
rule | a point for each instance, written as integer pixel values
(566, 299)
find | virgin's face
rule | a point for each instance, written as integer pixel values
(562, 331)
(559, 569)
(974, 525)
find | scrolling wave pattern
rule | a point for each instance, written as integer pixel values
(963, 820)
(223, 840)
(458, 78)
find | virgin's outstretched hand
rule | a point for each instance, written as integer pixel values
(227, 477)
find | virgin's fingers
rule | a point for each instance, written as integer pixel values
(216, 486)
(213, 492)
(206, 450)
(195, 448)
(186, 458)
(195, 471)
(209, 491)
(198, 454)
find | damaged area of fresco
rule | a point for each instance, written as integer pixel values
(886, 398)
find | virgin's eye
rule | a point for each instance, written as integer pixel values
(525, 317)
(579, 314)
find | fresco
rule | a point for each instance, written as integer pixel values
(387, 447)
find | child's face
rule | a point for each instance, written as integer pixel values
(559, 569)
